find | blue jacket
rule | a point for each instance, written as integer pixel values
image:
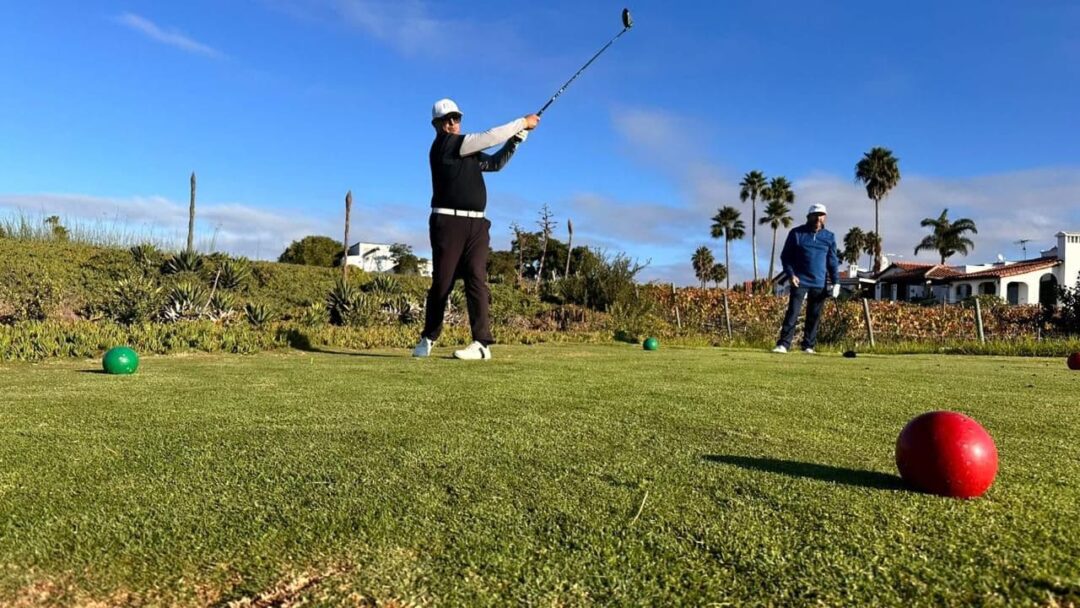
(811, 256)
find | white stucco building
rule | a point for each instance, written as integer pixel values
(1026, 282)
(375, 257)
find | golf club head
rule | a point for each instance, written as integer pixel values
(627, 21)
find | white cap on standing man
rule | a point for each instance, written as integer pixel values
(817, 208)
(444, 107)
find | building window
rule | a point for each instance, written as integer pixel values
(988, 288)
(1016, 293)
(1048, 286)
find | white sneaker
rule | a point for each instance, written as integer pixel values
(423, 348)
(780, 349)
(809, 351)
(473, 352)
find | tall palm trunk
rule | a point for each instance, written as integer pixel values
(772, 256)
(753, 233)
(191, 217)
(540, 274)
(881, 241)
(727, 262)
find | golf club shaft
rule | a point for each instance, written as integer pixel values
(563, 87)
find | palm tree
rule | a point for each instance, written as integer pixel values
(726, 224)
(751, 187)
(872, 245)
(879, 171)
(854, 243)
(777, 214)
(717, 273)
(703, 262)
(947, 237)
(779, 189)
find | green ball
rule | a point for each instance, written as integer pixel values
(651, 344)
(120, 360)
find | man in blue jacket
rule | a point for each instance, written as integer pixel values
(809, 258)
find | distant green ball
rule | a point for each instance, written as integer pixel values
(651, 344)
(120, 360)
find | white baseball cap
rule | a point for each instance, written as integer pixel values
(817, 208)
(444, 107)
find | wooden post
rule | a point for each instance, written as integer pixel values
(979, 322)
(675, 303)
(866, 319)
(727, 315)
(569, 246)
(345, 258)
(191, 217)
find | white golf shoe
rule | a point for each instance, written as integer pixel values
(780, 348)
(473, 352)
(423, 348)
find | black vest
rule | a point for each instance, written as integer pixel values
(456, 182)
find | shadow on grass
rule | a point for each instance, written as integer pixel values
(353, 353)
(809, 470)
(300, 341)
(92, 371)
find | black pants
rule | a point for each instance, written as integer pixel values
(815, 300)
(459, 249)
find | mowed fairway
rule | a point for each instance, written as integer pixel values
(550, 476)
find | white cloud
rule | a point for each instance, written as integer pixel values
(235, 228)
(171, 38)
(411, 27)
(1030, 204)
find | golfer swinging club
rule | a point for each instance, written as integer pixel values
(459, 231)
(809, 255)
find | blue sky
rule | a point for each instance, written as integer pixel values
(281, 106)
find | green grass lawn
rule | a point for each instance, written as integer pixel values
(550, 476)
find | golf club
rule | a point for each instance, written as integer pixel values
(627, 24)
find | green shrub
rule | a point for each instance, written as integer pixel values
(599, 282)
(35, 296)
(136, 299)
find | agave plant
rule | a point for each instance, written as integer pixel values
(146, 256)
(314, 314)
(220, 307)
(455, 309)
(257, 314)
(383, 284)
(234, 274)
(132, 300)
(185, 261)
(185, 300)
(347, 305)
(402, 310)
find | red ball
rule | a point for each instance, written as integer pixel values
(1074, 361)
(948, 454)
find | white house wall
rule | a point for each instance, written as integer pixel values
(1029, 294)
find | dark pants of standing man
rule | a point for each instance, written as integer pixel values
(815, 299)
(459, 249)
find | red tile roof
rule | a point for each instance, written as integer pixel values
(1010, 270)
(920, 272)
(913, 271)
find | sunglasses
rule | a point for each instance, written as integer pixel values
(453, 119)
